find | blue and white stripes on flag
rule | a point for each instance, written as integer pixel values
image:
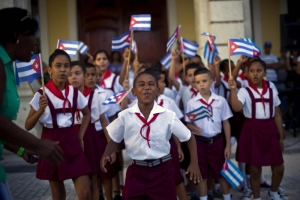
(166, 61)
(232, 174)
(122, 42)
(173, 38)
(188, 48)
(83, 48)
(200, 113)
(134, 47)
(209, 55)
(242, 47)
(116, 98)
(29, 71)
(140, 22)
(69, 46)
(255, 46)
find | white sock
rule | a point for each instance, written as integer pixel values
(248, 181)
(217, 186)
(226, 196)
(257, 199)
(273, 193)
(262, 178)
(203, 198)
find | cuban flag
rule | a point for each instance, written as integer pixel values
(122, 42)
(209, 54)
(242, 47)
(200, 113)
(83, 48)
(211, 41)
(116, 98)
(232, 174)
(173, 38)
(134, 47)
(166, 61)
(29, 71)
(140, 22)
(188, 48)
(69, 46)
(255, 46)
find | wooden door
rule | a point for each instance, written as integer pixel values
(100, 20)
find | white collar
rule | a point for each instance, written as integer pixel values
(212, 96)
(156, 109)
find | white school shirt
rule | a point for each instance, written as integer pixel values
(245, 84)
(185, 94)
(112, 109)
(127, 126)
(109, 81)
(244, 98)
(221, 112)
(221, 90)
(270, 59)
(97, 109)
(169, 93)
(63, 120)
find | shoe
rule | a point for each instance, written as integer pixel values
(117, 197)
(265, 185)
(273, 197)
(210, 197)
(194, 196)
(218, 194)
(282, 193)
(247, 194)
(101, 197)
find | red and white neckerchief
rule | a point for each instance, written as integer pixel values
(264, 91)
(105, 76)
(194, 91)
(161, 103)
(208, 105)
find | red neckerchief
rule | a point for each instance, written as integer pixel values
(264, 91)
(161, 103)
(86, 92)
(208, 105)
(243, 76)
(146, 124)
(195, 92)
(105, 76)
(225, 78)
(176, 76)
(54, 90)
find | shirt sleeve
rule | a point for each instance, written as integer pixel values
(81, 101)
(298, 59)
(242, 95)
(273, 87)
(180, 130)
(181, 90)
(102, 108)
(176, 109)
(276, 100)
(188, 109)
(116, 130)
(35, 101)
(226, 112)
(117, 86)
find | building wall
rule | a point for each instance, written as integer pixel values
(186, 18)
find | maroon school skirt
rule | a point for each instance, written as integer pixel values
(90, 147)
(175, 162)
(258, 144)
(111, 169)
(150, 182)
(75, 163)
(211, 158)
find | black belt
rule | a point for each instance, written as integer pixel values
(153, 163)
(208, 140)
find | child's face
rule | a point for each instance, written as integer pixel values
(203, 83)
(60, 69)
(256, 73)
(98, 74)
(76, 77)
(145, 89)
(102, 61)
(90, 79)
(189, 77)
(161, 83)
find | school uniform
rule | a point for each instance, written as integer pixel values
(186, 93)
(258, 143)
(210, 147)
(91, 137)
(111, 110)
(111, 81)
(147, 143)
(58, 121)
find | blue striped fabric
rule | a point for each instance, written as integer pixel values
(232, 175)
(208, 55)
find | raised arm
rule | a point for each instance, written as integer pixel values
(174, 63)
(216, 67)
(234, 101)
(33, 115)
(124, 67)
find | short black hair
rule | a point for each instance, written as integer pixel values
(155, 71)
(223, 64)
(191, 66)
(56, 53)
(258, 60)
(202, 71)
(101, 51)
(89, 65)
(86, 60)
(151, 73)
(80, 64)
(15, 20)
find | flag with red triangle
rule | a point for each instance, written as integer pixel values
(242, 47)
(140, 22)
(116, 98)
(198, 114)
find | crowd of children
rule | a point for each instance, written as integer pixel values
(153, 125)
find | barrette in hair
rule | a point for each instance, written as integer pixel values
(27, 16)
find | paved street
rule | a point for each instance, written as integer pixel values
(24, 185)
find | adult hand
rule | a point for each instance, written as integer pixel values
(49, 151)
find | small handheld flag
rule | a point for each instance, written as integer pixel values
(83, 48)
(211, 42)
(255, 46)
(232, 174)
(69, 46)
(116, 98)
(166, 61)
(188, 48)
(29, 71)
(140, 22)
(200, 113)
(208, 54)
(122, 42)
(134, 47)
(242, 47)
(173, 38)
